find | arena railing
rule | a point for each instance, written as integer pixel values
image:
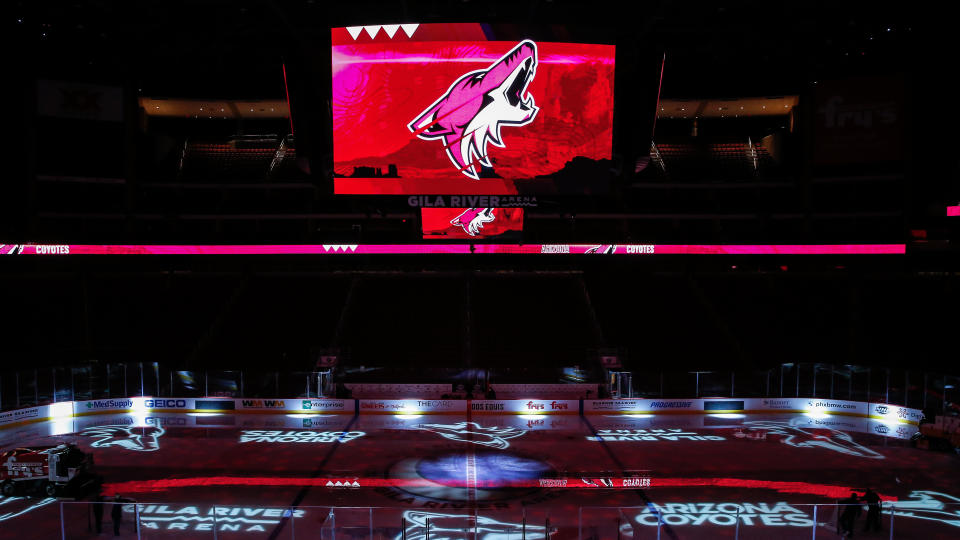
(929, 391)
(925, 514)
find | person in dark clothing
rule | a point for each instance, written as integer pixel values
(873, 511)
(98, 513)
(116, 514)
(849, 513)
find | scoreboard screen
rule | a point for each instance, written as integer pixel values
(468, 109)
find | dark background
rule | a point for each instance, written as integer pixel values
(686, 312)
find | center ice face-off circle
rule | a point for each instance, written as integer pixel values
(444, 477)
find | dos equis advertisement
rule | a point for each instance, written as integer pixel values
(468, 109)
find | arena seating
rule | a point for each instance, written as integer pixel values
(710, 160)
(233, 160)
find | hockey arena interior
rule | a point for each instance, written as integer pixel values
(479, 271)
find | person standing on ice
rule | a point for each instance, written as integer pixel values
(873, 511)
(848, 515)
(98, 513)
(116, 514)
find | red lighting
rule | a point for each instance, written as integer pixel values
(798, 488)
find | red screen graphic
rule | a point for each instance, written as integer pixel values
(441, 109)
(470, 223)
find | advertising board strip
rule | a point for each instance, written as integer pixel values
(23, 416)
(454, 249)
(95, 406)
(643, 406)
(716, 405)
(525, 406)
(814, 407)
(215, 405)
(412, 406)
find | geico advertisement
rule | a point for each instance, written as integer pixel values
(168, 403)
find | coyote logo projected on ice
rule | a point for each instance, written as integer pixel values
(462, 527)
(929, 505)
(470, 114)
(805, 437)
(472, 432)
(131, 438)
(472, 219)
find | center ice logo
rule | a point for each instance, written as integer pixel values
(134, 439)
(471, 112)
(474, 433)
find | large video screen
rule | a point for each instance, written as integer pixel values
(468, 109)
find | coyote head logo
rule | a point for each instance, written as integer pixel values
(470, 114)
(130, 438)
(472, 219)
(472, 432)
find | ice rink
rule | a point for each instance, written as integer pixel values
(220, 475)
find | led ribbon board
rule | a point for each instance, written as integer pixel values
(457, 249)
